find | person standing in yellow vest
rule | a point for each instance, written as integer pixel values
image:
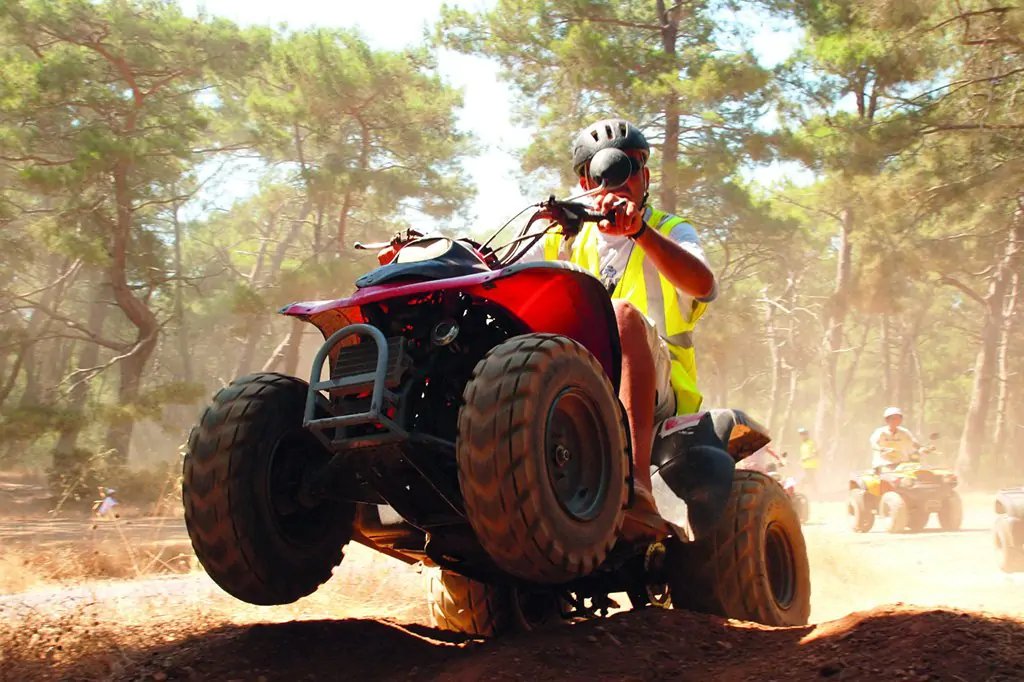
(809, 460)
(660, 283)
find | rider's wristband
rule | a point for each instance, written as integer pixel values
(639, 233)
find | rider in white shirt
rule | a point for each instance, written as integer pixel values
(892, 444)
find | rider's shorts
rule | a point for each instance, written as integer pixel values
(665, 402)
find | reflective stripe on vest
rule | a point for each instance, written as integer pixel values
(651, 293)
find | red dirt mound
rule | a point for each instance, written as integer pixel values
(892, 643)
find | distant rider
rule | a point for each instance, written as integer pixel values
(892, 444)
(809, 460)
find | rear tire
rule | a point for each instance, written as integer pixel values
(754, 566)
(951, 514)
(543, 457)
(893, 508)
(244, 464)
(459, 604)
(1009, 540)
(862, 518)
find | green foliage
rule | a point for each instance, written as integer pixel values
(571, 63)
(114, 113)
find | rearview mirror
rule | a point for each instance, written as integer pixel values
(611, 168)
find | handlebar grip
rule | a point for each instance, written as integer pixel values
(594, 216)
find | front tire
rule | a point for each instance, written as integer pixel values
(543, 456)
(1009, 540)
(917, 519)
(245, 463)
(893, 508)
(862, 518)
(951, 513)
(754, 566)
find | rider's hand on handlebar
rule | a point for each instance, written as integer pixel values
(628, 218)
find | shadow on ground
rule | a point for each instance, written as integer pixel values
(890, 642)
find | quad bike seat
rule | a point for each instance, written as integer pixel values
(429, 258)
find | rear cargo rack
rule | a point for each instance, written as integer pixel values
(376, 366)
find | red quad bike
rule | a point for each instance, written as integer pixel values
(799, 500)
(469, 422)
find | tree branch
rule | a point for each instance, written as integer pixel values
(953, 282)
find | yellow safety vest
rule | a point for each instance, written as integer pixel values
(808, 454)
(653, 295)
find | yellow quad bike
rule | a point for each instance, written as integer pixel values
(904, 495)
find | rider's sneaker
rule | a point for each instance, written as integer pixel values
(643, 520)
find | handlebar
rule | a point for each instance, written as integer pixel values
(568, 214)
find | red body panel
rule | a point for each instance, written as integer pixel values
(547, 297)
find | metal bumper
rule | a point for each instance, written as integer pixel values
(374, 365)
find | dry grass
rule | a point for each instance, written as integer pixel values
(107, 630)
(26, 568)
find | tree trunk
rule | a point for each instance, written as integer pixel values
(256, 325)
(669, 191)
(1000, 435)
(973, 440)
(787, 416)
(179, 302)
(886, 360)
(287, 352)
(38, 323)
(829, 418)
(119, 433)
(922, 398)
(291, 353)
(907, 371)
(772, 338)
(88, 357)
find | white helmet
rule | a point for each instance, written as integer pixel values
(892, 412)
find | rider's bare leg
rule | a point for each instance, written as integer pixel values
(637, 389)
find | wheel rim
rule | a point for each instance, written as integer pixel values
(577, 453)
(292, 460)
(778, 557)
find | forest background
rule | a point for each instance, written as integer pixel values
(170, 177)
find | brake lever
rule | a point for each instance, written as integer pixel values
(575, 213)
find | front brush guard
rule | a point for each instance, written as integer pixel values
(351, 376)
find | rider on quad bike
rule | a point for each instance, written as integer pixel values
(478, 415)
(893, 443)
(898, 488)
(660, 283)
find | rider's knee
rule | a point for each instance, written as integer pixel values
(629, 319)
(632, 332)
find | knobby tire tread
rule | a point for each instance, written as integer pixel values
(220, 512)
(499, 474)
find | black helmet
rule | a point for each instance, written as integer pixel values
(612, 132)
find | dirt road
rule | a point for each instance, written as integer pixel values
(369, 622)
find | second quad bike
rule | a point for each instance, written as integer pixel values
(774, 465)
(904, 495)
(462, 413)
(799, 501)
(1009, 529)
